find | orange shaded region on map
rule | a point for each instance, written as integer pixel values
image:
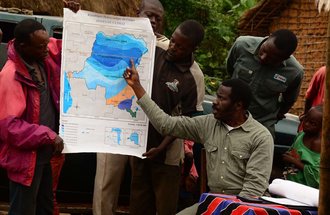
(69, 74)
(126, 93)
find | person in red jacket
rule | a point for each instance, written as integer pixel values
(314, 94)
(29, 111)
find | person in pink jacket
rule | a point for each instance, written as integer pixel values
(29, 112)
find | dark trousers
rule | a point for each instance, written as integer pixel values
(36, 199)
(154, 188)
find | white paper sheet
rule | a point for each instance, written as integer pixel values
(283, 201)
(295, 191)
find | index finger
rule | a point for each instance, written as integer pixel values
(132, 63)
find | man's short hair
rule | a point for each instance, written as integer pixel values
(192, 29)
(240, 91)
(153, 2)
(285, 40)
(26, 27)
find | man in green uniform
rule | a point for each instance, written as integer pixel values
(273, 74)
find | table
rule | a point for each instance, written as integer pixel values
(219, 204)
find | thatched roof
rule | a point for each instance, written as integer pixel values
(55, 7)
(256, 21)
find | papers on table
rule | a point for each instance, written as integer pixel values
(283, 201)
(295, 194)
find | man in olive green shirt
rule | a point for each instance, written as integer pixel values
(273, 74)
(239, 150)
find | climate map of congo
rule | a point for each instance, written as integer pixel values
(100, 83)
(98, 110)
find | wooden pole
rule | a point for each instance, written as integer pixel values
(324, 197)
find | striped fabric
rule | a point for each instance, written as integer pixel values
(216, 204)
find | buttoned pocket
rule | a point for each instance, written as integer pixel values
(240, 159)
(211, 154)
(244, 73)
(210, 148)
(241, 154)
(271, 88)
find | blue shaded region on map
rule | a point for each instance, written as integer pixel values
(117, 50)
(104, 68)
(125, 104)
(67, 99)
(118, 131)
(94, 78)
(134, 137)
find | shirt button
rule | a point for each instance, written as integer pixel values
(222, 162)
(240, 156)
(225, 148)
(223, 191)
(221, 177)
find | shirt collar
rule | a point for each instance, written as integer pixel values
(246, 126)
(31, 71)
(254, 50)
(29, 67)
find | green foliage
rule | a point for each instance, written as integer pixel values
(219, 18)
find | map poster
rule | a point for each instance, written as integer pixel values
(98, 110)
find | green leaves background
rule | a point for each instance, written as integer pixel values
(219, 18)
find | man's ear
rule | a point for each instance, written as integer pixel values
(239, 105)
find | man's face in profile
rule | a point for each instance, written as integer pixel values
(269, 54)
(37, 47)
(180, 47)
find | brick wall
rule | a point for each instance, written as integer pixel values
(310, 26)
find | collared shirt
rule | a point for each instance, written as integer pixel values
(174, 84)
(238, 161)
(275, 88)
